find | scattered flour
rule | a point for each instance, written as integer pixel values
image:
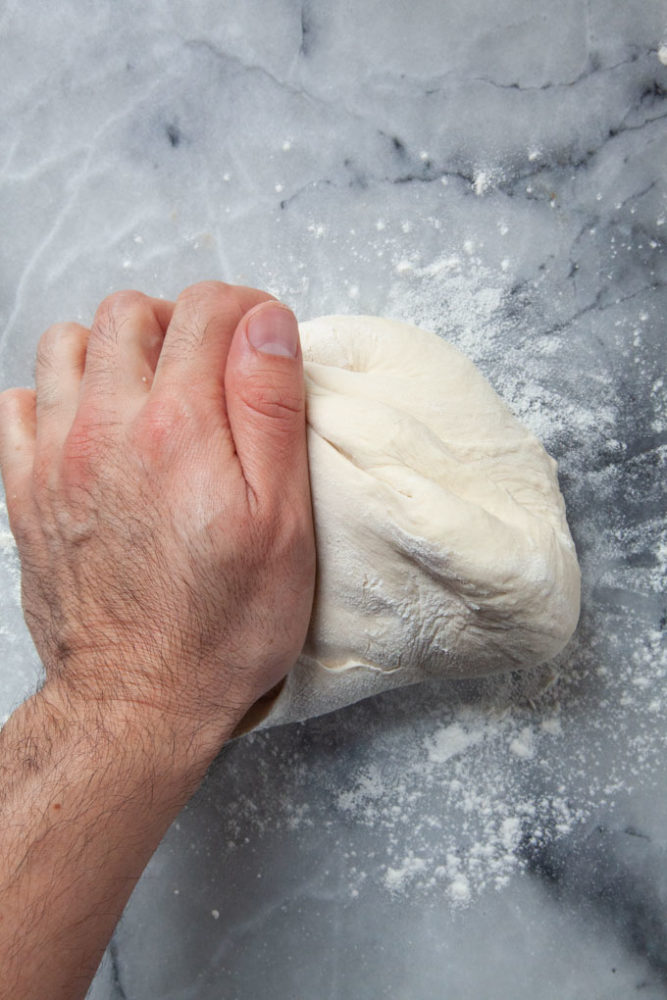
(453, 740)
(446, 821)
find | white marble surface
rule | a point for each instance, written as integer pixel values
(495, 172)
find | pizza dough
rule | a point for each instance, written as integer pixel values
(442, 543)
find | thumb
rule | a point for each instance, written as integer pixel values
(265, 398)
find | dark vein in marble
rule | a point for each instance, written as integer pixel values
(306, 45)
(592, 69)
(645, 449)
(115, 970)
(173, 133)
(427, 172)
(635, 196)
(601, 871)
(233, 62)
(654, 94)
(598, 305)
(434, 84)
(237, 65)
(563, 161)
(633, 832)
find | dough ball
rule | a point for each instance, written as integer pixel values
(442, 543)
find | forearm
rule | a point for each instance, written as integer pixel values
(84, 802)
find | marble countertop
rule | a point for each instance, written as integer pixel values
(496, 173)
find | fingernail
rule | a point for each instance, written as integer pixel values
(273, 330)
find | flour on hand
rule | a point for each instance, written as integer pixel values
(442, 543)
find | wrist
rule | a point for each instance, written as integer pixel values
(172, 750)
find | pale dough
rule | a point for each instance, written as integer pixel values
(442, 543)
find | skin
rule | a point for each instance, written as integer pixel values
(157, 487)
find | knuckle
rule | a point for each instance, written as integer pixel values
(204, 291)
(10, 401)
(48, 345)
(121, 302)
(58, 346)
(61, 333)
(207, 306)
(271, 395)
(112, 312)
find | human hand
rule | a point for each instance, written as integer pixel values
(157, 487)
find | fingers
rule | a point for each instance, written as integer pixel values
(265, 399)
(197, 341)
(17, 446)
(61, 357)
(124, 346)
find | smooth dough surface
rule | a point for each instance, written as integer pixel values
(442, 542)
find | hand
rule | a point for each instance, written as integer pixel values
(157, 487)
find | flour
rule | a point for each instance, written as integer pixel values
(454, 740)
(448, 827)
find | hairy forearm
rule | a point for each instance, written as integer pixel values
(85, 797)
